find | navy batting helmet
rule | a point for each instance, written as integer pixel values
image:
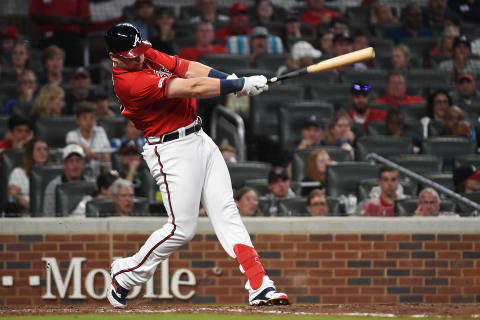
(125, 40)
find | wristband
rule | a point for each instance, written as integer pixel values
(231, 86)
(217, 74)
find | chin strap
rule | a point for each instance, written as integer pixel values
(249, 261)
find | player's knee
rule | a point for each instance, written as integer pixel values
(187, 230)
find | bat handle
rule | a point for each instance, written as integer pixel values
(272, 80)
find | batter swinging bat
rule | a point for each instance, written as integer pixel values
(333, 63)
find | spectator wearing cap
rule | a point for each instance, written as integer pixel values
(428, 203)
(53, 64)
(49, 102)
(437, 106)
(144, 18)
(316, 170)
(18, 134)
(279, 184)
(466, 179)
(208, 13)
(317, 13)
(26, 89)
(204, 37)
(445, 46)
(80, 91)
(73, 162)
(468, 10)
(246, 200)
(229, 153)
(259, 42)
(238, 24)
(163, 33)
(362, 113)
(462, 61)
(100, 99)
(123, 197)
(291, 30)
(312, 133)
(62, 23)
(130, 133)
(317, 204)
(8, 36)
(302, 54)
(131, 165)
(466, 93)
(412, 26)
(396, 91)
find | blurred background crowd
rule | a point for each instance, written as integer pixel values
(302, 148)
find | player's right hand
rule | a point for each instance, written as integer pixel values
(253, 86)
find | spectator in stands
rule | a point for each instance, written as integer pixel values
(204, 43)
(26, 88)
(343, 44)
(19, 62)
(462, 61)
(131, 163)
(381, 13)
(208, 13)
(163, 34)
(396, 91)
(455, 124)
(247, 202)
(362, 113)
(316, 170)
(466, 179)
(104, 191)
(80, 91)
(445, 46)
(339, 25)
(36, 154)
(130, 134)
(92, 138)
(144, 17)
(383, 205)
(238, 24)
(401, 57)
(317, 204)
(324, 43)
(428, 203)
(279, 185)
(100, 99)
(339, 131)
(73, 161)
(395, 125)
(468, 10)
(18, 134)
(466, 93)
(412, 26)
(312, 133)
(302, 54)
(317, 13)
(62, 23)
(360, 40)
(434, 14)
(291, 30)
(49, 102)
(258, 43)
(8, 36)
(438, 104)
(264, 13)
(123, 197)
(229, 153)
(53, 61)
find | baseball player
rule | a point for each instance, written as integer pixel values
(157, 93)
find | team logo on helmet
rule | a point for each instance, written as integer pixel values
(137, 41)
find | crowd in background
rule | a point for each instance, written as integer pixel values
(48, 74)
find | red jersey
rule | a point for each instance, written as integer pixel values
(143, 94)
(378, 208)
(63, 8)
(406, 100)
(193, 53)
(314, 19)
(371, 116)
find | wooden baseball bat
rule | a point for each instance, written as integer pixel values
(333, 63)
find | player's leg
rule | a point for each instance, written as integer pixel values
(175, 169)
(217, 198)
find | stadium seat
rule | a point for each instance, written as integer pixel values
(54, 130)
(294, 116)
(22, 109)
(467, 159)
(148, 188)
(358, 14)
(259, 185)
(69, 194)
(343, 177)
(365, 186)
(373, 77)
(320, 90)
(382, 145)
(157, 209)
(100, 208)
(240, 172)
(435, 128)
(10, 159)
(270, 61)
(407, 207)
(379, 128)
(253, 72)
(466, 210)
(3, 125)
(419, 163)
(383, 46)
(39, 178)
(421, 45)
(382, 106)
(293, 207)
(448, 148)
(413, 111)
(225, 62)
(113, 126)
(428, 77)
(444, 179)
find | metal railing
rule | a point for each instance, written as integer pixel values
(237, 122)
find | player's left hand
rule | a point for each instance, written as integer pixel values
(254, 85)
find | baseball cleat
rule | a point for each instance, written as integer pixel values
(269, 297)
(116, 295)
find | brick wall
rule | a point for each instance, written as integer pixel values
(313, 268)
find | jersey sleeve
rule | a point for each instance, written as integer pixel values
(176, 65)
(149, 88)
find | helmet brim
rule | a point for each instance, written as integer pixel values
(135, 52)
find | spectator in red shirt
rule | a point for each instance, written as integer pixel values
(62, 23)
(317, 13)
(204, 43)
(396, 91)
(362, 113)
(18, 134)
(238, 23)
(384, 204)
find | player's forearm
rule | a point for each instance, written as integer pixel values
(196, 70)
(203, 87)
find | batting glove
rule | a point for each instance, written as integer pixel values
(253, 86)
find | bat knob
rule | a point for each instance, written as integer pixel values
(272, 80)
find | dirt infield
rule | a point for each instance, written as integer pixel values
(380, 310)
